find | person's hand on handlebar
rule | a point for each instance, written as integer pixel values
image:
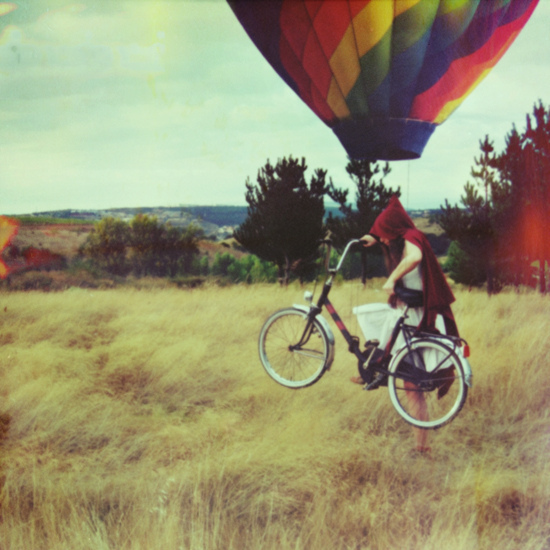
(367, 240)
(389, 287)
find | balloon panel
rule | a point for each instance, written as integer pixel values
(383, 73)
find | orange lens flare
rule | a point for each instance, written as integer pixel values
(8, 229)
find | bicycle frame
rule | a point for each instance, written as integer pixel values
(323, 301)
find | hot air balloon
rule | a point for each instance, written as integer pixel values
(383, 74)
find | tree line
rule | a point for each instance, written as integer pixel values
(142, 246)
(146, 247)
(500, 231)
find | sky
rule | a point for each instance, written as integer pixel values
(107, 103)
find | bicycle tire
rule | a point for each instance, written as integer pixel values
(417, 379)
(294, 368)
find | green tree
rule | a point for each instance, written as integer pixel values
(262, 271)
(221, 264)
(147, 240)
(475, 226)
(524, 168)
(180, 248)
(462, 267)
(511, 250)
(201, 265)
(285, 215)
(106, 245)
(534, 223)
(162, 250)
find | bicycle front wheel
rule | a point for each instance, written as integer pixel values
(426, 384)
(294, 351)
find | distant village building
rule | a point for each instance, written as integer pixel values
(225, 232)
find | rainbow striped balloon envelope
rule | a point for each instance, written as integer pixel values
(383, 73)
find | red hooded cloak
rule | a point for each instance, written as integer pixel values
(393, 223)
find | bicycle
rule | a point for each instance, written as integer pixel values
(427, 378)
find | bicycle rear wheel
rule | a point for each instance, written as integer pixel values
(294, 354)
(426, 384)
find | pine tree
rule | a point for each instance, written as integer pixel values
(285, 216)
(536, 223)
(524, 168)
(474, 227)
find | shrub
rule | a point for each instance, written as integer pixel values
(144, 247)
(462, 268)
(31, 280)
(250, 269)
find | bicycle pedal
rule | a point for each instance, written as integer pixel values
(370, 343)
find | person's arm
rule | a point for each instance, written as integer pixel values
(368, 240)
(412, 256)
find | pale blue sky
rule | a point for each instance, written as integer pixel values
(149, 103)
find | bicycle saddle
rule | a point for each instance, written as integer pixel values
(413, 298)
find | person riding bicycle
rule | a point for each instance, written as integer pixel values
(413, 264)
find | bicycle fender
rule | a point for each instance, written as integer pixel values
(468, 375)
(466, 367)
(326, 327)
(457, 351)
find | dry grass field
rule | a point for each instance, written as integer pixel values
(142, 419)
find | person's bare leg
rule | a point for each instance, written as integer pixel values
(418, 409)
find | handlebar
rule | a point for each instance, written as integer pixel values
(345, 253)
(349, 245)
(412, 298)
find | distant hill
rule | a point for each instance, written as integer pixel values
(218, 222)
(219, 215)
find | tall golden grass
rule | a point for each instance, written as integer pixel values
(140, 419)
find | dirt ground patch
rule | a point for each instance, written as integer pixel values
(59, 239)
(426, 226)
